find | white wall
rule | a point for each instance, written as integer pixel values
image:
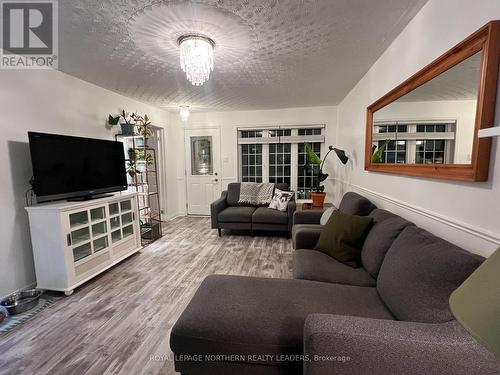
(463, 111)
(464, 213)
(45, 101)
(228, 122)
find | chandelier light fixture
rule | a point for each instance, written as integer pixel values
(197, 57)
(184, 112)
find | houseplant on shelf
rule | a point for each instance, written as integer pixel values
(127, 122)
(318, 189)
(144, 127)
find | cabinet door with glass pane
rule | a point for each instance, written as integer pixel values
(121, 220)
(88, 233)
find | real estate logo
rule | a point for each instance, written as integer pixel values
(29, 34)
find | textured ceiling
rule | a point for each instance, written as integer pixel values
(269, 53)
(458, 83)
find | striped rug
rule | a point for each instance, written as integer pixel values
(14, 320)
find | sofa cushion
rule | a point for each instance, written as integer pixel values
(236, 215)
(265, 215)
(233, 194)
(316, 266)
(248, 315)
(386, 229)
(342, 237)
(355, 204)
(419, 273)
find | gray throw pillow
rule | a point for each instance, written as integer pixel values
(326, 215)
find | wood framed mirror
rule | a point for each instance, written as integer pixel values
(428, 126)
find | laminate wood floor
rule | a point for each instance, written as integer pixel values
(119, 323)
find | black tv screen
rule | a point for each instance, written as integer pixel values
(69, 167)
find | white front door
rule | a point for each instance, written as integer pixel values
(202, 169)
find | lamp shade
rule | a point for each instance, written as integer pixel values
(476, 303)
(341, 155)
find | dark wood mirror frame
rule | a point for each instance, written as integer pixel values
(486, 39)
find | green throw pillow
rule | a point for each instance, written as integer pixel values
(343, 236)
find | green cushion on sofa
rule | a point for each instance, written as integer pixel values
(343, 236)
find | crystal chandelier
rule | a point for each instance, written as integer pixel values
(197, 57)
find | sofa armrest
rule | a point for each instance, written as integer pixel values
(307, 217)
(305, 236)
(339, 345)
(216, 207)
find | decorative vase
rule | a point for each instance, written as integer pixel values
(127, 129)
(318, 199)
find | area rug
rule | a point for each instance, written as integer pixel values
(12, 321)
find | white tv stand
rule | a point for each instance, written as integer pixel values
(75, 241)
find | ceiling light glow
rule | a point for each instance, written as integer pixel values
(184, 112)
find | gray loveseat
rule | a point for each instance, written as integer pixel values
(389, 317)
(227, 213)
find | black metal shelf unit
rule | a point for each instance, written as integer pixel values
(141, 164)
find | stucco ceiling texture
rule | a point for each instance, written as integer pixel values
(268, 54)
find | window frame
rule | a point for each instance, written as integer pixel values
(294, 139)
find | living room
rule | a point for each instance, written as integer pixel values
(283, 81)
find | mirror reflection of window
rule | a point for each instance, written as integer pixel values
(435, 123)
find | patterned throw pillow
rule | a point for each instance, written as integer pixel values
(280, 200)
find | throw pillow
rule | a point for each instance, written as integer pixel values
(343, 236)
(326, 215)
(280, 200)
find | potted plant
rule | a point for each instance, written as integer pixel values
(318, 189)
(378, 153)
(132, 168)
(144, 127)
(127, 122)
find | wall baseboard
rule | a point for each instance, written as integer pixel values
(175, 216)
(482, 234)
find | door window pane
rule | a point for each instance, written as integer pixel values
(251, 163)
(201, 156)
(307, 172)
(279, 168)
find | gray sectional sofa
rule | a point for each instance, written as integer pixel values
(227, 213)
(390, 316)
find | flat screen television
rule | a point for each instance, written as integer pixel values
(67, 167)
